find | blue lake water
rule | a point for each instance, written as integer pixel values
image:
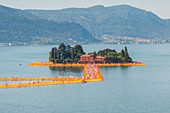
(125, 89)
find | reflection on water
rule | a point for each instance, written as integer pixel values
(113, 67)
(114, 70)
(67, 71)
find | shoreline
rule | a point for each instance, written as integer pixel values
(134, 63)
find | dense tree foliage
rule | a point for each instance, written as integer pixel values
(111, 56)
(66, 54)
(121, 20)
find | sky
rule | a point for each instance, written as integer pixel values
(159, 7)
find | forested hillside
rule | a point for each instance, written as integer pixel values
(18, 26)
(121, 20)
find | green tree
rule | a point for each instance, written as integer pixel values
(126, 48)
(122, 53)
(112, 54)
(57, 61)
(90, 53)
(100, 53)
(76, 52)
(52, 54)
(127, 58)
(94, 54)
(62, 46)
(62, 50)
(68, 60)
(68, 52)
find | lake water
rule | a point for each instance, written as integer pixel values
(125, 89)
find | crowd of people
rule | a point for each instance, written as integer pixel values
(92, 72)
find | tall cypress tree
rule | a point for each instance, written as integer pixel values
(123, 53)
(52, 54)
(68, 52)
(94, 54)
(62, 48)
(126, 52)
(125, 48)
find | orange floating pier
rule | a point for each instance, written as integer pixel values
(134, 63)
(91, 74)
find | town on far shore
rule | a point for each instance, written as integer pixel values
(67, 54)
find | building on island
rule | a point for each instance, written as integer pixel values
(91, 59)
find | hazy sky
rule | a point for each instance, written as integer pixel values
(159, 7)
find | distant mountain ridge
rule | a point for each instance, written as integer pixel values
(120, 20)
(19, 26)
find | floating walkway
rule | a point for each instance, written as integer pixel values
(91, 74)
(134, 63)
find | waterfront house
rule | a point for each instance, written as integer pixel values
(91, 59)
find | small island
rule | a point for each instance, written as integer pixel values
(67, 54)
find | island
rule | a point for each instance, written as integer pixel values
(67, 54)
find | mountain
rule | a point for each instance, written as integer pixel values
(120, 20)
(19, 26)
